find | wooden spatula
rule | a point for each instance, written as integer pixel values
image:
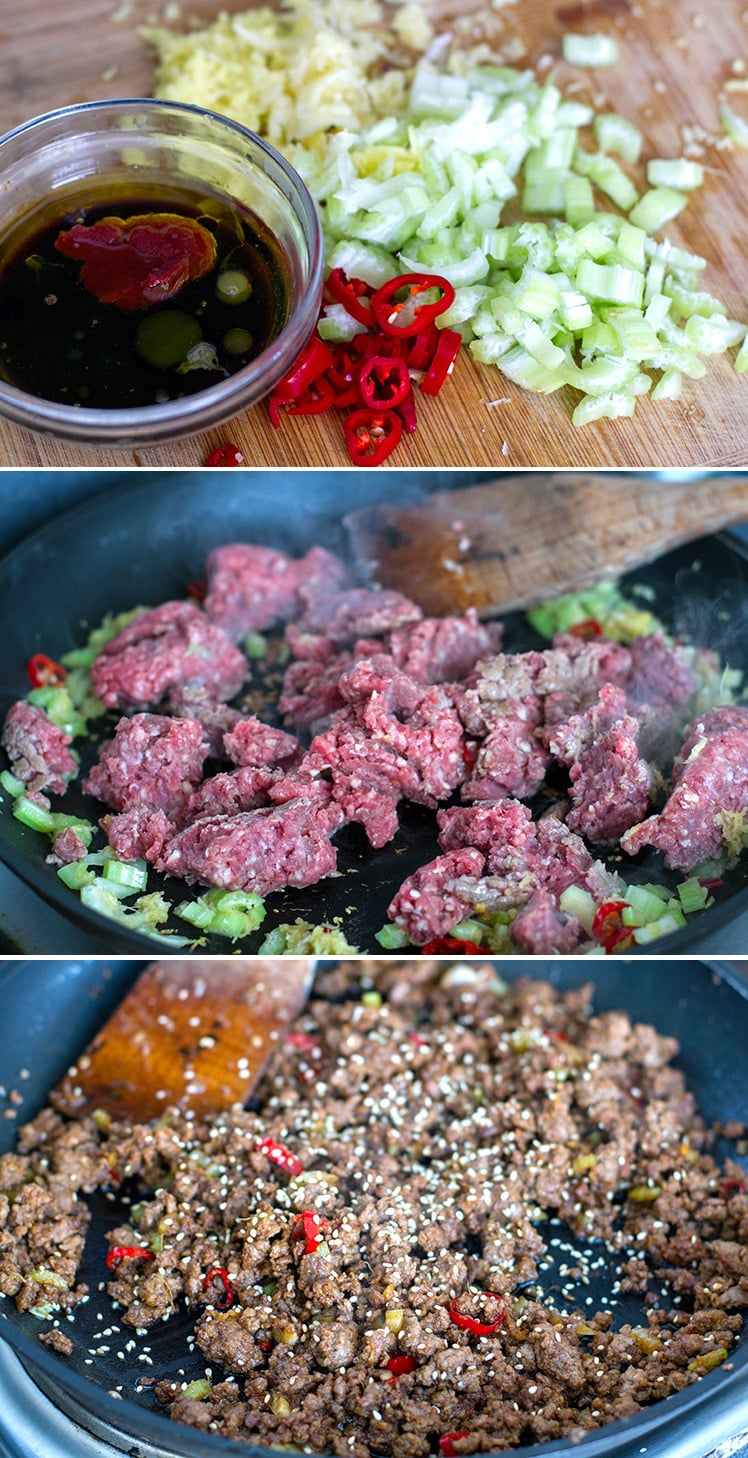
(189, 1035)
(521, 538)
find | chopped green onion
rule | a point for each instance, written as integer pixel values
(589, 50)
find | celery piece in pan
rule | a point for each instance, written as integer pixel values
(232, 914)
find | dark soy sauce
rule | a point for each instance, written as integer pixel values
(57, 341)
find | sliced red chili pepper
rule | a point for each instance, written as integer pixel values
(588, 628)
(383, 382)
(128, 1253)
(729, 1185)
(314, 400)
(607, 921)
(423, 348)
(311, 1226)
(418, 1040)
(343, 372)
(315, 358)
(621, 941)
(353, 294)
(399, 1365)
(225, 455)
(281, 1156)
(447, 1442)
(469, 1323)
(43, 672)
(265, 1346)
(372, 435)
(440, 946)
(229, 1294)
(447, 350)
(197, 589)
(405, 318)
(407, 412)
(556, 1034)
(711, 883)
(348, 397)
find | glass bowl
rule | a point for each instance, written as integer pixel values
(126, 148)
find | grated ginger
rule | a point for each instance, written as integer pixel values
(293, 75)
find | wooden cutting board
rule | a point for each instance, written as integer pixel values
(675, 56)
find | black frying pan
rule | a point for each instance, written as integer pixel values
(50, 1011)
(144, 543)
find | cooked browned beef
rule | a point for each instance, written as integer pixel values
(170, 648)
(37, 749)
(443, 1135)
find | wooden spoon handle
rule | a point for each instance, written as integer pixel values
(189, 1035)
(521, 538)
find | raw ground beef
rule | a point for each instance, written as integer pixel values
(705, 813)
(610, 782)
(395, 709)
(152, 761)
(517, 861)
(252, 587)
(164, 651)
(444, 1135)
(37, 749)
(255, 850)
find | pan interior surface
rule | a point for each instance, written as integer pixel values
(144, 544)
(707, 1014)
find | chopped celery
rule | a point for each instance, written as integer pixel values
(656, 208)
(692, 895)
(589, 50)
(469, 930)
(33, 815)
(132, 874)
(643, 906)
(610, 282)
(608, 177)
(575, 901)
(734, 126)
(11, 785)
(391, 937)
(676, 172)
(615, 133)
(604, 604)
(231, 914)
(713, 335)
(669, 386)
(655, 929)
(146, 915)
(59, 708)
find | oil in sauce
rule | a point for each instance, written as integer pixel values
(60, 342)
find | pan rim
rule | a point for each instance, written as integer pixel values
(119, 937)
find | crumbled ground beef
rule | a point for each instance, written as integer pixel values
(167, 650)
(37, 749)
(444, 1133)
(705, 813)
(152, 761)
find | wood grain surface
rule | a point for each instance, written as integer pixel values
(510, 543)
(189, 1035)
(675, 57)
